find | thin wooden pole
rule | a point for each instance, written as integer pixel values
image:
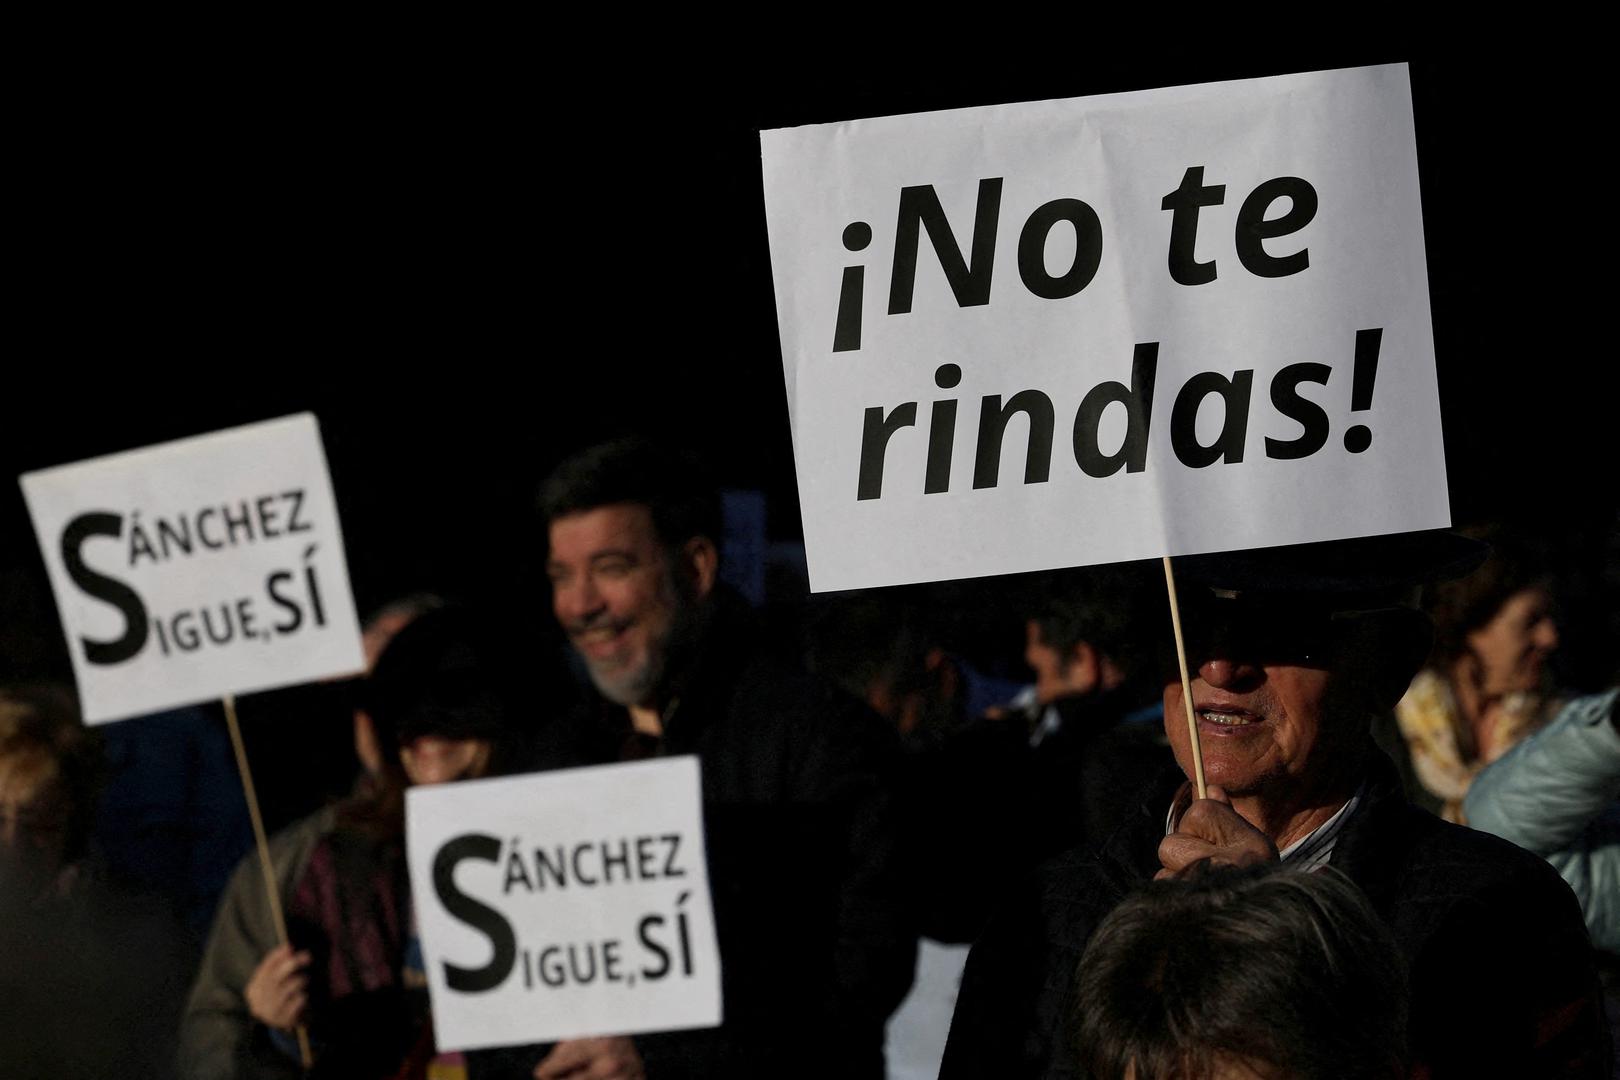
(1186, 681)
(263, 843)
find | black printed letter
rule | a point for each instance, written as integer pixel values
(1183, 203)
(476, 914)
(103, 588)
(1253, 229)
(970, 282)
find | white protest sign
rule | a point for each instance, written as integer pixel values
(1069, 332)
(565, 904)
(198, 568)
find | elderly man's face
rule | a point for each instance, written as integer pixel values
(1280, 707)
(615, 591)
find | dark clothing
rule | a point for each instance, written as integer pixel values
(802, 837)
(91, 984)
(219, 1039)
(1502, 982)
(172, 820)
(351, 909)
(347, 901)
(985, 808)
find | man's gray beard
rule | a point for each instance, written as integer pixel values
(636, 687)
(642, 685)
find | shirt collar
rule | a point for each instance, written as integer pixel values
(1309, 851)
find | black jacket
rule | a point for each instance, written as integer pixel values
(1502, 978)
(986, 808)
(802, 837)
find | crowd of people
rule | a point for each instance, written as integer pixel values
(1369, 713)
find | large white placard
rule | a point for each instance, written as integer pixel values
(1069, 332)
(198, 568)
(566, 904)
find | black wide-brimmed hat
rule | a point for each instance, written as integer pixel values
(438, 676)
(1363, 572)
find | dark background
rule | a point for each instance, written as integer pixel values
(469, 252)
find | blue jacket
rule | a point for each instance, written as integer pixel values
(1556, 794)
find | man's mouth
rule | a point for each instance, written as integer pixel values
(1229, 719)
(598, 640)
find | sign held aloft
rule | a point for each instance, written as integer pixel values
(565, 904)
(197, 569)
(1069, 332)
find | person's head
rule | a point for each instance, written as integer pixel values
(1292, 651)
(1256, 973)
(1088, 630)
(883, 647)
(50, 774)
(633, 534)
(1495, 627)
(436, 698)
(379, 630)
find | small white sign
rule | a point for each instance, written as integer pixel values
(565, 904)
(198, 568)
(1069, 332)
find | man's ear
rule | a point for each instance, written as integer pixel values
(702, 563)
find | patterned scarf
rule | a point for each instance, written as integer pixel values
(1446, 751)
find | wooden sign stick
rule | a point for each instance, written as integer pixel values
(304, 1052)
(1186, 682)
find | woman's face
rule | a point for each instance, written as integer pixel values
(433, 759)
(1513, 647)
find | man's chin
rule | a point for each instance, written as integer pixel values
(627, 688)
(1237, 780)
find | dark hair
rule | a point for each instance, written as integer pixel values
(1289, 973)
(1461, 606)
(860, 640)
(45, 719)
(1110, 608)
(670, 482)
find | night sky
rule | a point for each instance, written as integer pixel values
(470, 256)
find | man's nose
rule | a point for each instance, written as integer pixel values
(1224, 673)
(1546, 634)
(577, 599)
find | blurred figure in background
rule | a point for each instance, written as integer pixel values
(1484, 687)
(988, 797)
(1243, 974)
(1557, 794)
(1063, 766)
(51, 769)
(91, 980)
(433, 709)
(882, 648)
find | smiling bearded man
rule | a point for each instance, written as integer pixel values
(799, 823)
(1291, 652)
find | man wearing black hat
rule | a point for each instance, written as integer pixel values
(1292, 651)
